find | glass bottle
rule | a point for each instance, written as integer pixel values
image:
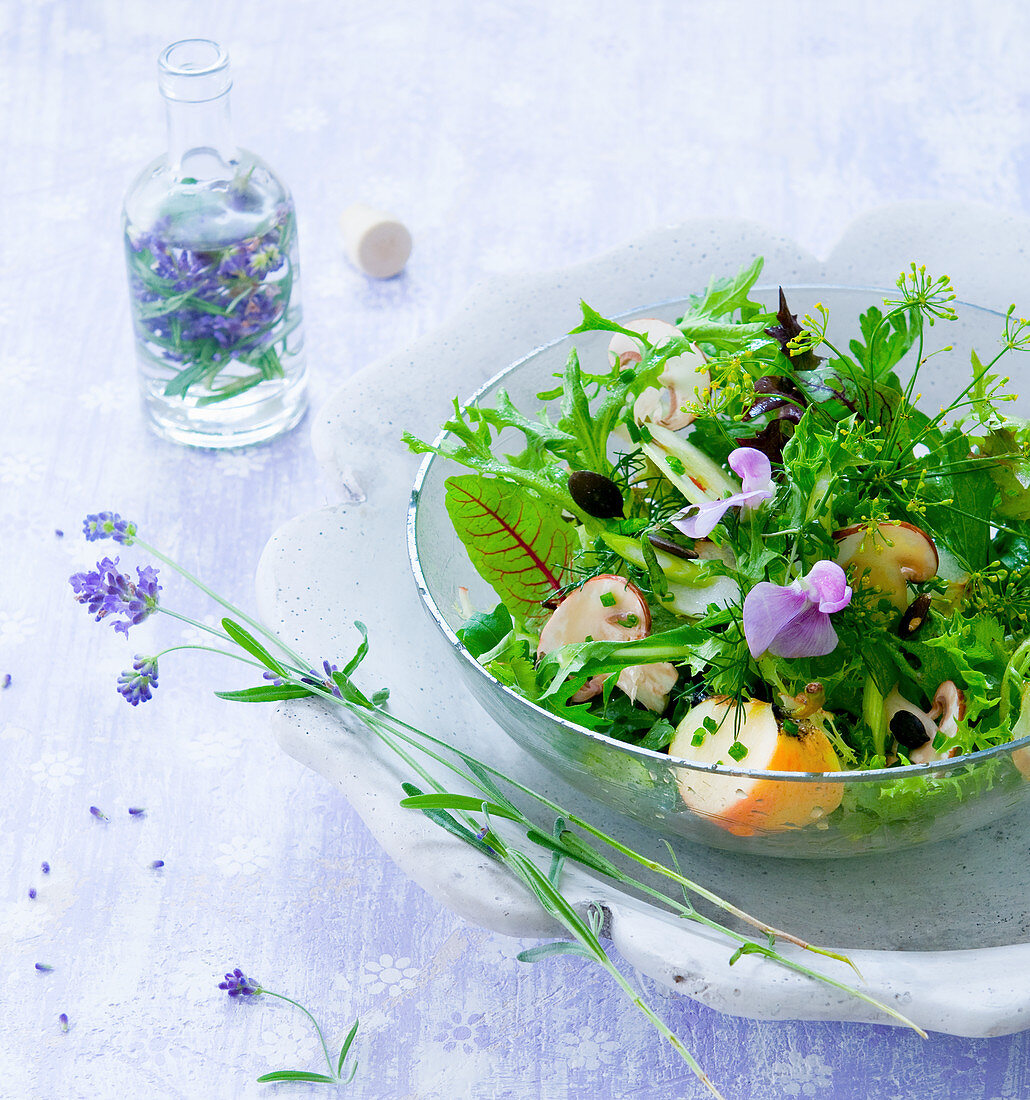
(211, 246)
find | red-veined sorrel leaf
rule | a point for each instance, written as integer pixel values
(518, 545)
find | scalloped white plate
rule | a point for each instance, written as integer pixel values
(942, 931)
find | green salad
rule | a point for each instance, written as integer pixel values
(734, 540)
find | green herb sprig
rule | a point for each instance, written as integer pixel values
(488, 821)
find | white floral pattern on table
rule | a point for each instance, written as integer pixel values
(57, 769)
(16, 627)
(588, 1049)
(243, 855)
(389, 975)
(802, 1075)
(19, 469)
(214, 749)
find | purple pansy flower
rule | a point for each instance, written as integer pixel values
(106, 592)
(793, 620)
(755, 472)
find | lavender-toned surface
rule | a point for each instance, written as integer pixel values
(509, 137)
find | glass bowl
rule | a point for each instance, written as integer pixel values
(880, 811)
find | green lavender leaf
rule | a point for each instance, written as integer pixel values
(572, 847)
(247, 641)
(548, 950)
(346, 1048)
(264, 694)
(468, 803)
(449, 823)
(296, 1075)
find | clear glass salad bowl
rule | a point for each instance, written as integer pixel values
(866, 811)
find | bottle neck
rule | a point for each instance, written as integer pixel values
(200, 144)
(194, 79)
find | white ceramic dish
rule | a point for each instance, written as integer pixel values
(943, 931)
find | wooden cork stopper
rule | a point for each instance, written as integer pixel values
(377, 243)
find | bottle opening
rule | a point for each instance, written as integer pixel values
(193, 70)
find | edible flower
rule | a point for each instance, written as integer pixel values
(755, 472)
(106, 592)
(238, 984)
(793, 620)
(136, 684)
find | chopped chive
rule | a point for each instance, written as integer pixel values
(698, 739)
(675, 464)
(608, 599)
(738, 751)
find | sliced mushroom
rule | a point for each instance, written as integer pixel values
(888, 558)
(681, 376)
(609, 608)
(915, 729)
(949, 708)
(649, 685)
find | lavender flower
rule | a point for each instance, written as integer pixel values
(323, 680)
(45, 867)
(63, 1018)
(108, 525)
(136, 683)
(44, 968)
(237, 984)
(794, 620)
(98, 813)
(32, 893)
(135, 811)
(157, 864)
(106, 592)
(213, 305)
(753, 467)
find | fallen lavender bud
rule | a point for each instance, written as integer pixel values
(45, 867)
(135, 811)
(44, 968)
(32, 891)
(98, 813)
(157, 865)
(64, 1021)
